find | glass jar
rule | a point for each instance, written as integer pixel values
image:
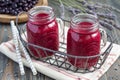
(42, 30)
(83, 40)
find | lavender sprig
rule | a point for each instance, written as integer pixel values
(110, 16)
(83, 2)
(105, 24)
(107, 6)
(73, 10)
(114, 23)
(111, 22)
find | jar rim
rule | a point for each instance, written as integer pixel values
(85, 17)
(35, 10)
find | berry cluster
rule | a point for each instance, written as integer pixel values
(13, 7)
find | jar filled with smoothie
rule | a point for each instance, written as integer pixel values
(42, 30)
(83, 41)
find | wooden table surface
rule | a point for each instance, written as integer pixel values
(9, 70)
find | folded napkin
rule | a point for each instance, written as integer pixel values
(8, 49)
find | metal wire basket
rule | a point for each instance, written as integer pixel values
(60, 58)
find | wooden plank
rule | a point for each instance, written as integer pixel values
(8, 72)
(28, 74)
(1, 33)
(114, 72)
(3, 63)
(16, 71)
(9, 31)
(3, 58)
